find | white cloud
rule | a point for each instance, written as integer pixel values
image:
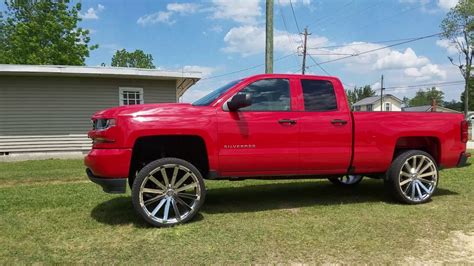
(425, 73)
(450, 46)
(249, 40)
(398, 67)
(245, 12)
(183, 8)
(216, 28)
(160, 16)
(92, 13)
(429, 6)
(294, 2)
(396, 59)
(447, 4)
(167, 16)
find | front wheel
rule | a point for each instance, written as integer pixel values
(347, 180)
(168, 191)
(412, 177)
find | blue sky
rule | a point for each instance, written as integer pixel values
(217, 37)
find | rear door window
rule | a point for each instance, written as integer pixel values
(319, 95)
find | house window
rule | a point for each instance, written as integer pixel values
(387, 107)
(357, 108)
(130, 96)
(369, 107)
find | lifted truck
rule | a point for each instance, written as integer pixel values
(266, 126)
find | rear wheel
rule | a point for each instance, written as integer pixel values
(168, 191)
(347, 180)
(412, 177)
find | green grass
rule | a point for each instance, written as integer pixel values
(50, 213)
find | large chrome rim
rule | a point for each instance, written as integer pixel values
(170, 200)
(418, 178)
(349, 179)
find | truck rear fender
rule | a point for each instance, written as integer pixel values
(428, 144)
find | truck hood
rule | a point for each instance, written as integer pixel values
(143, 110)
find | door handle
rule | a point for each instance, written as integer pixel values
(287, 121)
(338, 122)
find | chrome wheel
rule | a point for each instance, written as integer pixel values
(170, 193)
(418, 178)
(347, 180)
(350, 179)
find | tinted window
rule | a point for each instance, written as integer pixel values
(318, 95)
(268, 95)
(211, 97)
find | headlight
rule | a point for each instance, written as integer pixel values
(102, 123)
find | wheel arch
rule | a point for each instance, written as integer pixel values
(191, 148)
(429, 144)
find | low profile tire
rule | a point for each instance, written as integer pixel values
(347, 180)
(412, 177)
(168, 191)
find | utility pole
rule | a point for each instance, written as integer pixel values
(381, 94)
(269, 37)
(303, 66)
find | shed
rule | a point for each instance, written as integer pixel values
(46, 109)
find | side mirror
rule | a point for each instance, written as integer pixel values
(239, 101)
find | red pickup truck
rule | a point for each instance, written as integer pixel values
(266, 126)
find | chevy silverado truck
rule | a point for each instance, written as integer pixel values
(267, 127)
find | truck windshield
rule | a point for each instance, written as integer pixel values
(211, 97)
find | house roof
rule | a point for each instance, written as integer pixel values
(427, 108)
(185, 79)
(373, 99)
(422, 108)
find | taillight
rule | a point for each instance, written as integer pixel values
(464, 131)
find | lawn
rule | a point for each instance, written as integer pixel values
(51, 213)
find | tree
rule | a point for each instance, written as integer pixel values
(455, 105)
(406, 101)
(137, 59)
(471, 95)
(458, 28)
(426, 97)
(358, 94)
(43, 32)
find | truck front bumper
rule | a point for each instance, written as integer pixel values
(109, 185)
(109, 168)
(463, 159)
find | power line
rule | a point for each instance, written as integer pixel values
(342, 8)
(287, 31)
(334, 20)
(248, 68)
(396, 15)
(319, 65)
(328, 54)
(365, 42)
(417, 86)
(377, 49)
(294, 16)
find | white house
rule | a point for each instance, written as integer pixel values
(389, 103)
(47, 109)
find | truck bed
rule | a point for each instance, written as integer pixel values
(378, 134)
